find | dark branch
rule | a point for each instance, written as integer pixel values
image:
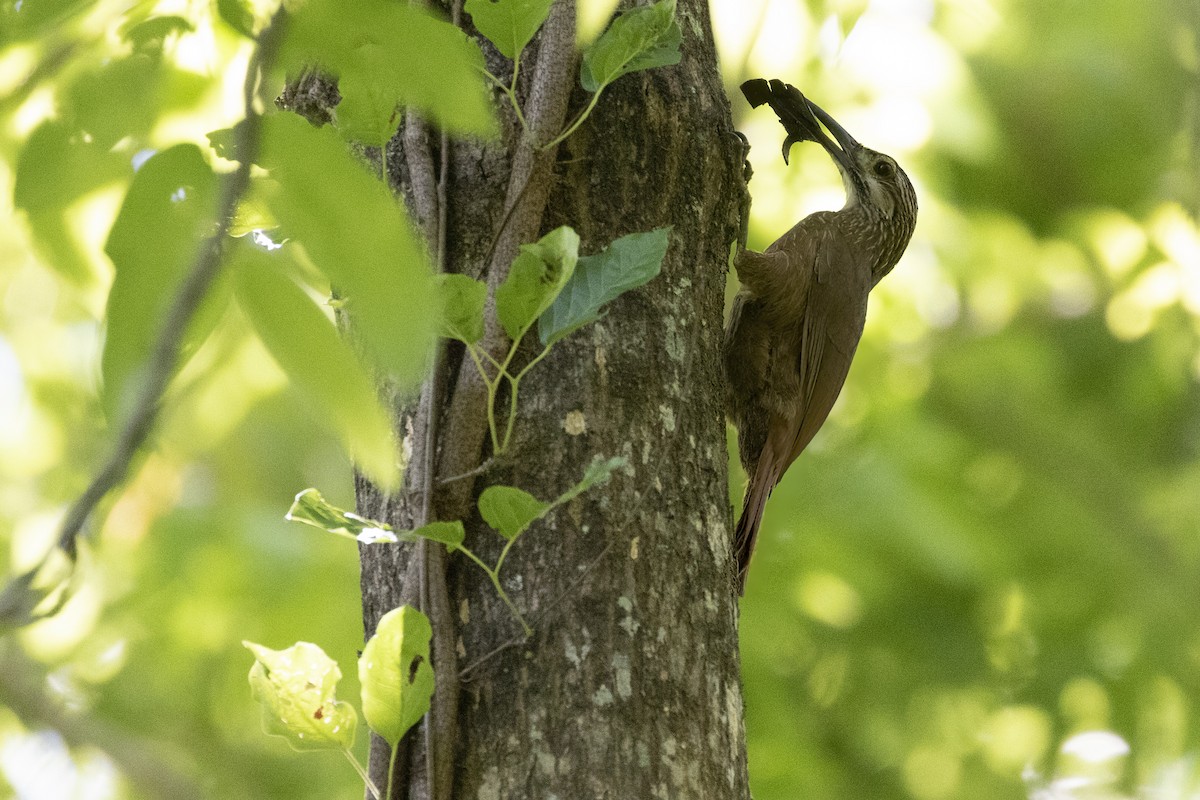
(165, 355)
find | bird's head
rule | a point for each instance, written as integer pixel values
(880, 199)
(875, 183)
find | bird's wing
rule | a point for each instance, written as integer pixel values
(781, 275)
(833, 323)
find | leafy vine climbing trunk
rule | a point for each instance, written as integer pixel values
(629, 686)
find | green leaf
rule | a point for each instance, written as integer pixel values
(508, 24)
(463, 299)
(450, 534)
(311, 508)
(536, 277)
(510, 510)
(628, 263)
(56, 167)
(639, 39)
(305, 343)
(396, 674)
(297, 689)
(598, 472)
(368, 110)
(238, 15)
(119, 100)
(153, 31)
(224, 141)
(359, 237)
(430, 64)
(167, 214)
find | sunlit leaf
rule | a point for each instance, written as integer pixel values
(640, 38)
(628, 262)
(166, 216)
(311, 508)
(508, 24)
(150, 33)
(56, 167)
(510, 510)
(238, 15)
(323, 367)
(535, 278)
(19, 21)
(297, 689)
(360, 237)
(396, 673)
(431, 65)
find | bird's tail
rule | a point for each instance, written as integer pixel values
(747, 528)
(767, 472)
(792, 108)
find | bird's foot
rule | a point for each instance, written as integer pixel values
(747, 170)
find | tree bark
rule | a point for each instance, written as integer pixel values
(629, 687)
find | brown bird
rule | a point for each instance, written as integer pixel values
(800, 312)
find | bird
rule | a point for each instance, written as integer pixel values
(799, 314)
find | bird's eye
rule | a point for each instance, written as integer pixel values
(883, 169)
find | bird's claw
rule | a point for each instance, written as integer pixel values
(747, 170)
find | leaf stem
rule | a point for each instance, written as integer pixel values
(362, 773)
(508, 602)
(474, 352)
(514, 385)
(491, 415)
(391, 770)
(504, 553)
(494, 577)
(574, 126)
(498, 446)
(512, 93)
(515, 382)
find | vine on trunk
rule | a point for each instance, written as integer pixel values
(549, 285)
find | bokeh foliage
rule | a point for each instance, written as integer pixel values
(981, 580)
(992, 549)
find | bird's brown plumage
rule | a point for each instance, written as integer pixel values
(800, 314)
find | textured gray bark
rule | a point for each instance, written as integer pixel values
(629, 687)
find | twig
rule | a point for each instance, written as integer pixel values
(482, 468)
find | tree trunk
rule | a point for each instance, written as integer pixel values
(629, 687)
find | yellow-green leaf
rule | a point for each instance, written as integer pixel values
(297, 689)
(305, 343)
(396, 674)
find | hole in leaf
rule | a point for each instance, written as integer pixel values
(412, 668)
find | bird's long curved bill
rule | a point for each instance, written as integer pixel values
(848, 143)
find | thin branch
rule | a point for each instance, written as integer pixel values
(205, 267)
(482, 468)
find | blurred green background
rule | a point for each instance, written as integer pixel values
(981, 581)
